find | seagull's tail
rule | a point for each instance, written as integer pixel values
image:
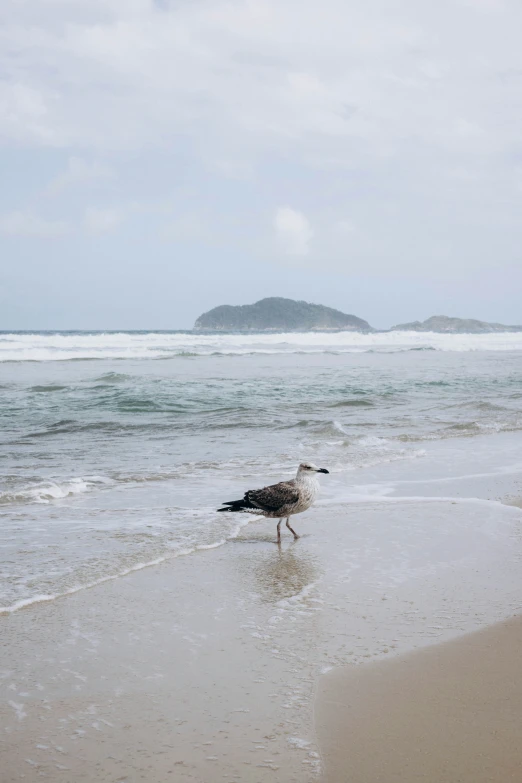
(236, 505)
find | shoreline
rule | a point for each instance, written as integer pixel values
(448, 713)
(387, 483)
(206, 666)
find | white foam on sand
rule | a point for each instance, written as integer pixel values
(43, 598)
(354, 498)
(298, 597)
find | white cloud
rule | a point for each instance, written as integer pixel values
(80, 172)
(126, 74)
(101, 221)
(24, 115)
(293, 231)
(30, 225)
(375, 110)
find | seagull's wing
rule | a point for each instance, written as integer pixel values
(274, 497)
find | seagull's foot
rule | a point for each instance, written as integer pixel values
(296, 536)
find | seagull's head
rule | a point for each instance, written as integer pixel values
(308, 468)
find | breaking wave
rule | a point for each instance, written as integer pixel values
(67, 346)
(46, 491)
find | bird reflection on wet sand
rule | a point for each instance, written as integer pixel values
(283, 572)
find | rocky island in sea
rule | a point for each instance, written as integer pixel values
(445, 324)
(277, 314)
(281, 315)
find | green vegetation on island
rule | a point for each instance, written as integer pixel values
(445, 324)
(279, 314)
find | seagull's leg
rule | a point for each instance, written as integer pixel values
(291, 529)
(279, 531)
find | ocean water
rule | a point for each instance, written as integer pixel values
(117, 448)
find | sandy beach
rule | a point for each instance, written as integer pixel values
(209, 666)
(447, 713)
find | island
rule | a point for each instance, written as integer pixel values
(447, 325)
(279, 315)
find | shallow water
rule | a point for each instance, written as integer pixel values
(118, 448)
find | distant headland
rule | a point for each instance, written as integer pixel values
(279, 315)
(445, 324)
(276, 314)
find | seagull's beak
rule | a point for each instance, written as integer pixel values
(322, 470)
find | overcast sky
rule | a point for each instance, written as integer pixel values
(161, 157)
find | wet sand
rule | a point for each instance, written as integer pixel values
(447, 714)
(168, 674)
(205, 668)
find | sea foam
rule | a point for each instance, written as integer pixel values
(60, 346)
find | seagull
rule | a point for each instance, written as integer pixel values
(283, 499)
